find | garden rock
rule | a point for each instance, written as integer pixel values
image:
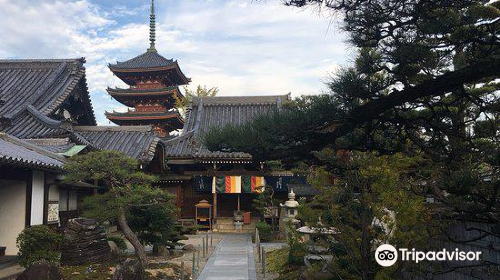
(115, 251)
(84, 242)
(41, 271)
(129, 270)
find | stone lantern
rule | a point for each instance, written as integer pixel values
(289, 210)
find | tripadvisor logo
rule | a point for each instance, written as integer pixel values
(387, 255)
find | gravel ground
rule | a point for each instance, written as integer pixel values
(195, 240)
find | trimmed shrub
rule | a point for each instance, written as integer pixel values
(38, 244)
(297, 253)
(265, 231)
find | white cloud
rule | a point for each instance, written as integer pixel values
(254, 47)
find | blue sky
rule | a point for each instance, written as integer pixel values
(241, 47)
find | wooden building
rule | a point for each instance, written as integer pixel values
(187, 159)
(46, 117)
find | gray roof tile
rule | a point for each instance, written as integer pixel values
(208, 112)
(30, 123)
(55, 145)
(149, 59)
(135, 141)
(41, 83)
(19, 152)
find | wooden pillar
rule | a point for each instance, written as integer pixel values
(29, 193)
(214, 190)
(215, 205)
(46, 189)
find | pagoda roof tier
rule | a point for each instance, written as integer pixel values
(145, 65)
(130, 96)
(171, 119)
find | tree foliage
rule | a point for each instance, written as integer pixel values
(129, 190)
(424, 81)
(38, 244)
(373, 200)
(201, 91)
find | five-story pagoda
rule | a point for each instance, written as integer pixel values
(153, 89)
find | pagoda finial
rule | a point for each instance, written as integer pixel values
(152, 28)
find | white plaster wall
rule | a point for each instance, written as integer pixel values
(12, 213)
(63, 200)
(54, 193)
(73, 200)
(37, 198)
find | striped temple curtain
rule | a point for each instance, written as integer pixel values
(252, 184)
(237, 184)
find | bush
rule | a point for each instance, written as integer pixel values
(297, 253)
(265, 231)
(38, 244)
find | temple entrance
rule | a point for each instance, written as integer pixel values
(227, 203)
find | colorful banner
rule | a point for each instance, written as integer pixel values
(226, 184)
(252, 184)
(238, 184)
(245, 184)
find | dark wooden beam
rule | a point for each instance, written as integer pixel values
(29, 194)
(46, 189)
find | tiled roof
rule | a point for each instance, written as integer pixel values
(134, 114)
(55, 145)
(135, 141)
(19, 152)
(31, 123)
(43, 84)
(149, 59)
(208, 112)
(141, 91)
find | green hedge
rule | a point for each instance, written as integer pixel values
(265, 231)
(297, 253)
(38, 244)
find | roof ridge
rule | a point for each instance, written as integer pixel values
(136, 128)
(25, 60)
(180, 137)
(33, 147)
(241, 99)
(80, 73)
(43, 118)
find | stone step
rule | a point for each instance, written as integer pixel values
(227, 221)
(232, 225)
(225, 227)
(235, 231)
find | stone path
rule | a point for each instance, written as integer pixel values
(232, 260)
(9, 269)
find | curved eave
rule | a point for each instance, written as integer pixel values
(159, 93)
(31, 164)
(126, 117)
(173, 66)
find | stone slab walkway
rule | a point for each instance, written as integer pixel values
(232, 259)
